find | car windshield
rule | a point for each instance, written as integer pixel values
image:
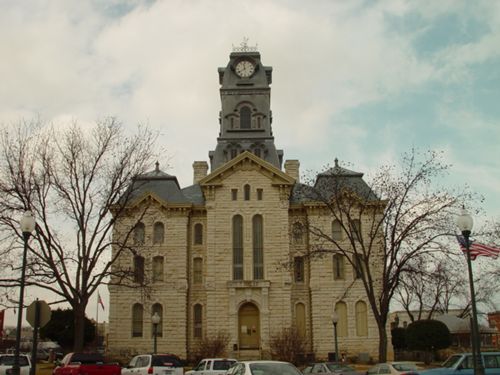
(273, 369)
(223, 365)
(8, 360)
(87, 358)
(452, 361)
(166, 361)
(333, 367)
(404, 366)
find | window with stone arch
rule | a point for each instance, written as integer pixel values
(158, 262)
(197, 321)
(158, 233)
(137, 319)
(341, 309)
(337, 233)
(258, 247)
(158, 309)
(246, 192)
(139, 234)
(245, 117)
(361, 319)
(237, 247)
(198, 234)
(300, 318)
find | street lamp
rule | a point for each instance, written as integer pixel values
(27, 224)
(465, 223)
(335, 320)
(155, 319)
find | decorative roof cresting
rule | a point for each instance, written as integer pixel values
(244, 47)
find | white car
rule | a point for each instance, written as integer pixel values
(7, 360)
(264, 368)
(154, 364)
(212, 366)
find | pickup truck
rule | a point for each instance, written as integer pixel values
(157, 364)
(463, 364)
(86, 364)
(212, 366)
(7, 360)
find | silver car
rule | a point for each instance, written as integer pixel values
(264, 368)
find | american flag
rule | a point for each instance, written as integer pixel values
(99, 300)
(477, 249)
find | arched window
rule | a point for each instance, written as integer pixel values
(338, 267)
(336, 230)
(298, 233)
(300, 318)
(356, 229)
(361, 319)
(245, 118)
(246, 192)
(237, 247)
(158, 233)
(137, 318)
(198, 234)
(341, 309)
(158, 309)
(197, 271)
(138, 269)
(258, 251)
(157, 268)
(197, 321)
(139, 234)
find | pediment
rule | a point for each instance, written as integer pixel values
(247, 161)
(149, 197)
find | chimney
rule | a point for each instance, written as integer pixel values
(292, 169)
(200, 169)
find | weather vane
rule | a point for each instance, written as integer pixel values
(244, 47)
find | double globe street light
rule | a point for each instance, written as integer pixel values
(27, 225)
(465, 223)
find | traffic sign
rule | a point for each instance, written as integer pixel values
(44, 312)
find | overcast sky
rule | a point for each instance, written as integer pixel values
(363, 81)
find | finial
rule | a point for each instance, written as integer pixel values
(336, 162)
(157, 169)
(244, 47)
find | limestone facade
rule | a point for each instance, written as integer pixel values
(224, 254)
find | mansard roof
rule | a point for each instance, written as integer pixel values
(331, 182)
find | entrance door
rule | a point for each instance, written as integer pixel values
(249, 326)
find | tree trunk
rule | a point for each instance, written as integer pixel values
(79, 316)
(382, 343)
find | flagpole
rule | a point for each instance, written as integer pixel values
(97, 322)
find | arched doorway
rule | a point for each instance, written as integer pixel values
(249, 326)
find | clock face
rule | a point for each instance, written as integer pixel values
(244, 69)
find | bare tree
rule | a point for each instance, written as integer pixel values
(77, 182)
(397, 217)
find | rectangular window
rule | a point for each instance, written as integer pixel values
(258, 251)
(138, 269)
(260, 194)
(356, 229)
(197, 271)
(198, 321)
(358, 266)
(298, 269)
(237, 247)
(157, 269)
(234, 194)
(338, 267)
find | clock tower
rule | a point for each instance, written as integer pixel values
(245, 118)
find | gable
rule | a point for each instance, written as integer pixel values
(244, 162)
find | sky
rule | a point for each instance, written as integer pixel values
(363, 81)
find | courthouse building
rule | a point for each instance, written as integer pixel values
(216, 253)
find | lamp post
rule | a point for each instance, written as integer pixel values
(155, 319)
(465, 223)
(335, 319)
(27, 224)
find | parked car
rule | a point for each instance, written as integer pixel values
(329, 368)
(463, 364)
(86, 363)
(7, 360)
(393, 368)
(157, 364)
(264, 368)
(212, 366)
